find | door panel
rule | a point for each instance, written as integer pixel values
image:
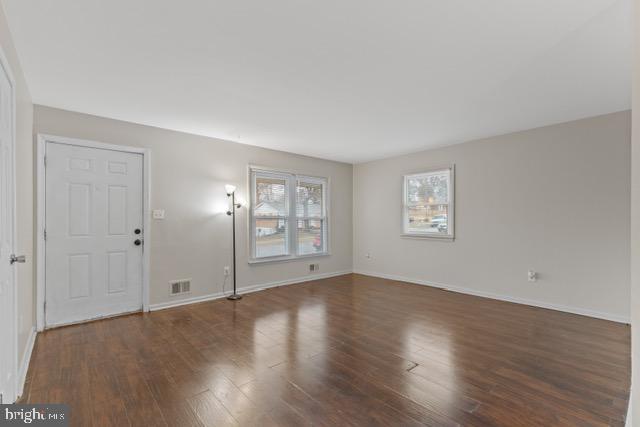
(117, 201)
(79, 208)
(116, 271)
(79, 274)
(93, 205)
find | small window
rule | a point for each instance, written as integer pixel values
(271, 215)
(311, 215)
(428, 204)
(288, 215)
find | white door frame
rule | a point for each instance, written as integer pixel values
(146, 223)
(4, 63)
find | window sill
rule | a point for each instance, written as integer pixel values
(448, 238)
(286, 258)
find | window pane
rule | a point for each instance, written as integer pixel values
(429, 219)
(428, 189)
(271, 197)
(309, 199)
(271, 237)
(310, 236)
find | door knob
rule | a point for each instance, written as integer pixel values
(137, 231)
(137, 242)
(20, 259)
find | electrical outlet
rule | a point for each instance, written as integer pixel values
(532, 276)
(158, 214)
(227, 271)
(367, 255)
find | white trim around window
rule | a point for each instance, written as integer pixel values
(429, 214)
(282, 226)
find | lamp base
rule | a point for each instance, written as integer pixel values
(234, 297)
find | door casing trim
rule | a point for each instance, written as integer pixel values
(43, 139)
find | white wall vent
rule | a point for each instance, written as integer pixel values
(179, 287)
(186, 286)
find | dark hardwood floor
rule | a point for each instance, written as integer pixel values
(350, 350)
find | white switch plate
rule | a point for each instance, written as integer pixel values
(158, 214)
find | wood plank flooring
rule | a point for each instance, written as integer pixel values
(351, 350)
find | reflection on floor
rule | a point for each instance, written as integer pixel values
(350, 350)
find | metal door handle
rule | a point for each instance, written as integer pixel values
(20, 259)
(137, 242)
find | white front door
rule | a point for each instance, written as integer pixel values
(8, 351)
(94, 233)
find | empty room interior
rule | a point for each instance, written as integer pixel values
(334, 213)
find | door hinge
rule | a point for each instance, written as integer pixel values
(45, 235)
(45, 161)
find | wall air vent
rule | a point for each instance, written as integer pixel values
(179, 287)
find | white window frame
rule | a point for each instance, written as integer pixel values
(450, 235)
(292, 218)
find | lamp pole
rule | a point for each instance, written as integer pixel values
(232, 212)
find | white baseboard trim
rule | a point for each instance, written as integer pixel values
(245, 290)
(24, 364)
(184, 301)
(524, 301)
(629, 422)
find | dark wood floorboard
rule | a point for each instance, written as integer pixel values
(351, 350)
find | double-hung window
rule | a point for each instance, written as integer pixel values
(288, 215)
(428, 204)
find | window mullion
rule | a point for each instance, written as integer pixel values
(252, 216)
(293, 222)
(253, 237)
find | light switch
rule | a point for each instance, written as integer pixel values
(158, 214)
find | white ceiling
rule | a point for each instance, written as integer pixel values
(346, 80)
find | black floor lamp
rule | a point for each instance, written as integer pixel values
(231, 192)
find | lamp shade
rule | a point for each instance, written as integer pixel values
(230, 188)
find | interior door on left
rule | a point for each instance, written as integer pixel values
(8, 351)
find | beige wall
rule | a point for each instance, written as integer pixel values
(188, 177)
(554, 199)
(635, 225)
(24, 188)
